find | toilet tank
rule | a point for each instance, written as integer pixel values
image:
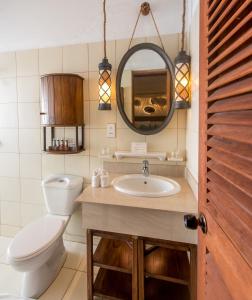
(60, 191)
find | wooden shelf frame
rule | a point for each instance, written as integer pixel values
(125, 269)
(130, 270)
(77, 149)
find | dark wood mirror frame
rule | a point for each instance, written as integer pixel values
(119, 95)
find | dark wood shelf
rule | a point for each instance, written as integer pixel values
(159, 290)
(113, 285)
(114, 255)
(168, 265)
(69, 151)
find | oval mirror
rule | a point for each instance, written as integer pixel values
(144, 88)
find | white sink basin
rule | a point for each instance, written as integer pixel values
(141, 186)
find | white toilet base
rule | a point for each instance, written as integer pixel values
(36, 282)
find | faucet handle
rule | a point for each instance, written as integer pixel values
(145, 162)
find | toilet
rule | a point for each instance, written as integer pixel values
(38, 249)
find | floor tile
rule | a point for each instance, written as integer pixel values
(10, 280)
(78, 288)
(59, 287)
(75, 254)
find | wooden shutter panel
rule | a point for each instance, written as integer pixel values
(226, 147)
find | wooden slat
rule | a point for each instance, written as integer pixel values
(233, 133)
(229, 63)
(240, 182)
(215, 286)
(238, 43)
(228, 23)
(213, 6)
(240, 166)
(235, 271)
(239, 198)
(236, 103)
(240, 150)
(237, 73)
(243, 118)
(231, 33)
(230, 203)
(237, 232)
(239, 87)
(217, 10)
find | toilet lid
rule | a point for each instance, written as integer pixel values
(35, 238)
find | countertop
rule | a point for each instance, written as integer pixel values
(183, 202)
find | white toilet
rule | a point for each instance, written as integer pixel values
(38, 249)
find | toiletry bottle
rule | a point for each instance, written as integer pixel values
(95, 180)
(104, 179)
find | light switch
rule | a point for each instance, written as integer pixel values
(111, 130)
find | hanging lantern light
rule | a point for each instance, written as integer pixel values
(182, 73)
(104, 73)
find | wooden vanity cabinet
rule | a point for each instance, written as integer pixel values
(62, 100)
(132, 267)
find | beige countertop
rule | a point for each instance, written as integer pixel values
(183, 202)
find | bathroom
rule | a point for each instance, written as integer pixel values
(158, 207)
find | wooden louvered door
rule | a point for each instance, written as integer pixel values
(225, 196)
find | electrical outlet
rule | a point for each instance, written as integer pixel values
(111, 130)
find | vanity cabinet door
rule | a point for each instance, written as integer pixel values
(62, 100)
(225, 179)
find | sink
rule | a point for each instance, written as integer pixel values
(150, 186)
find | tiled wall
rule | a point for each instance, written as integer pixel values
(23, 164)
(192, 135)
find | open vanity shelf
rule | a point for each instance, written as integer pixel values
(133, 267)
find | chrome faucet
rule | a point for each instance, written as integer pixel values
(145, 169)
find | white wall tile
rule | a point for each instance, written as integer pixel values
(31, 212)
(8, 115)
(166, 141)
(10, 213)
(77, 165)
(50, 60)
(52, 164)
(29, 141)
(75, 58)
(98, 141)
(9, 189)
(8, 90)
(30, 166)
(7, 64)
(31, 191)
(9, 163)
(9, 140)
(96, 54)
(99, 118)
(29, 115)
(27, 62)
(28, 89)
(126, 136)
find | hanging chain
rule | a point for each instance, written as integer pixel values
(104, 28)
(183, 27)
(145, 11)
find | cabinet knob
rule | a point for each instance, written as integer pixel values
(192, 222)
(42, 113)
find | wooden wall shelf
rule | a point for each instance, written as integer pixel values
(62, 106)
(71, 150)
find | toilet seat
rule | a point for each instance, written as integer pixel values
(36, 237)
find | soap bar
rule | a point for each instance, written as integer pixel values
(140, 148)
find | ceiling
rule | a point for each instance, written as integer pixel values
(26, 24)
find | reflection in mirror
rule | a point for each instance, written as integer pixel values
(145, 91)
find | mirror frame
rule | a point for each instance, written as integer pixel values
(169, 66)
